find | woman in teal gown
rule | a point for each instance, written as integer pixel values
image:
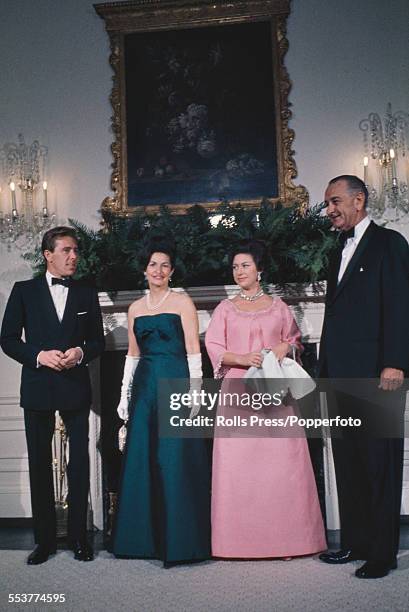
(163, 509)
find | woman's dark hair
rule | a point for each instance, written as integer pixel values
(256, 248)
(158, 244)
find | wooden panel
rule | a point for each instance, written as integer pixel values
(14, 477)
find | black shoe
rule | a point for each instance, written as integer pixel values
(337, 558)
(375, 569)
(40, 554)
(169, 564)
(82, 550)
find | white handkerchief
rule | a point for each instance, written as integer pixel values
(297, 380)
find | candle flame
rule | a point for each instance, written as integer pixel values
(366, 161)
(12, 186)
(45, 185)
(392, 154)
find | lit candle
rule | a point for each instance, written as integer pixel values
(45, 208)
(366, 162)
(392, 156)
(13, 197)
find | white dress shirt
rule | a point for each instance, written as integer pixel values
(59, 294)
(351, 245)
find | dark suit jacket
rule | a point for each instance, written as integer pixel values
(31, 308)
(366, 323)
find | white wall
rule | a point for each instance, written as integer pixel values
(55, 81)
(345, 59)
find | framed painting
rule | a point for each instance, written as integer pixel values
(200, 104)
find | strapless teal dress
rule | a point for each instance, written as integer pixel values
(163, 509)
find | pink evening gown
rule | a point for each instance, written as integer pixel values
(264, 495)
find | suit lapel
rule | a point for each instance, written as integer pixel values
(69, 317)
(333, 274)
(363, 243)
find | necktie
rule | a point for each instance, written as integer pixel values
(61, 281)
(345, 235)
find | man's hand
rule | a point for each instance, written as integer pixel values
(51, 359)
(70, 358)
(391, 379)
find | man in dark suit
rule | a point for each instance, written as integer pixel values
(63, 332)
(366, 336)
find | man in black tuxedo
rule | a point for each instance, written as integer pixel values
(63, 332)
(366, 336)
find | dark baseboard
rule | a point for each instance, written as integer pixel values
(16, 522)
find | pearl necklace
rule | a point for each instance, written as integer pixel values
(251, 298)
(156, 306)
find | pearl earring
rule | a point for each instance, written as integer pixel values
(259, 276)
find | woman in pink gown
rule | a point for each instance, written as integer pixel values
(264, 496)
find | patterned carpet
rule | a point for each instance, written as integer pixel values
(256, 586)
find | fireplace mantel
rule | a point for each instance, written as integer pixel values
(306, 301)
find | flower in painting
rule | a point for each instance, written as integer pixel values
(244, 165)
(189, 131)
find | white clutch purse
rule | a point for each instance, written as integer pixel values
(297, 380)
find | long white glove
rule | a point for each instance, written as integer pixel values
(195, 372)
(126, 388)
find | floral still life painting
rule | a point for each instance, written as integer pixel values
(200, 115)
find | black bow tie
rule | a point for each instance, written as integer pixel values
(345, 235)
(349, 233)
(61, 281)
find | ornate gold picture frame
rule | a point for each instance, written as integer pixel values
(200, 104)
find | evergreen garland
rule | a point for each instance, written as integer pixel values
(299, 245)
